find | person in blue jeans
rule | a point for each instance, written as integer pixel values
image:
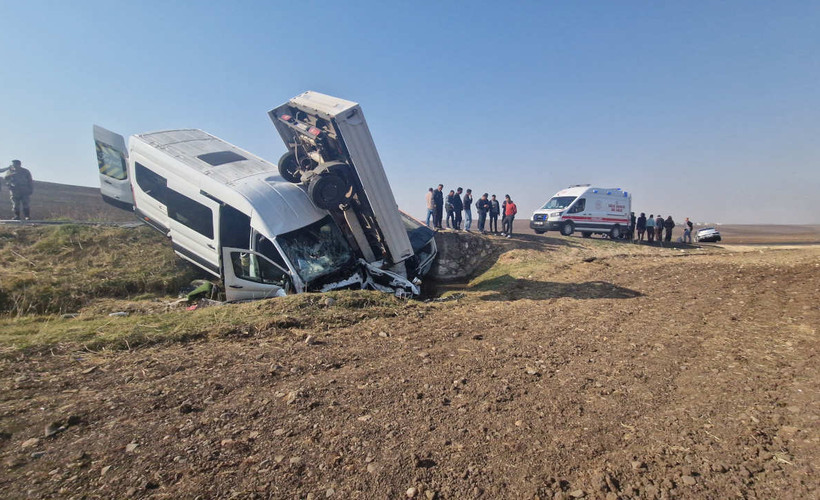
(468, 213)
(431, 206)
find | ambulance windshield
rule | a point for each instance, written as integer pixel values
(559, 202)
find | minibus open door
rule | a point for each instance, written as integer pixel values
(112, 162)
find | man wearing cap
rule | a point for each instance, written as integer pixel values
(20, 186)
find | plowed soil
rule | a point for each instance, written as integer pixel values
(658, 374)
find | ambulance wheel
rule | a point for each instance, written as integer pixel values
(568, 228)
(586, 234)
(327, 191)
(289, 168)
(615, 233)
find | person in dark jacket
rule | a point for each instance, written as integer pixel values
(669, 225)
(659, 228)
(640, 225)
(632, 222)
(687, 231)
(21, 186)
(458, 207)
(438, 199)
(451, 220)
(482, 206)
(495, 209)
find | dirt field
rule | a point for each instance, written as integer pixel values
(572, 368)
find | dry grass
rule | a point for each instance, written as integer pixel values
(54, 270)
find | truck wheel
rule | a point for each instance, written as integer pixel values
(327, 191)
(586, 234)
(567, 229)
(615, 232)
(289, 169)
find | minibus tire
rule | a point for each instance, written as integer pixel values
(568, 228)
(615, 232)
(327, 190)
(289, 168)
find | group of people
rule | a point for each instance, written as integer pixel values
(21, 187)
(655, 226)
(458, 202)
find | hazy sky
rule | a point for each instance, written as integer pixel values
(703, 109)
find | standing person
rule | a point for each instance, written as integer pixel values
(468, 212)
(640, 225)
(504, 215)
(431, 206)
(21, 186)
(458, 206)
(482, 206)
(650, 228)
(509, 215)
(687, 231)
(438, 199)
(449, 207)
(669, 225)
(495, 209)
(632, 222)
(659, 227)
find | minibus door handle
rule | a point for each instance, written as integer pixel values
(235, 286)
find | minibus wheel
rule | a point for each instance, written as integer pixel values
(327, 190)
(289, 168)
(615, 232)
(568, 228)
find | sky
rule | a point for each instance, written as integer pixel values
(700, 109)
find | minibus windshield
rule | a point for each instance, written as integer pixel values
(317, 249)
(559, 202)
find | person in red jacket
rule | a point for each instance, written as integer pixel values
(509, 215)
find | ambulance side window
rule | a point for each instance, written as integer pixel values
(579, 206)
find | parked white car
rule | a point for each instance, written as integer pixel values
(707, 234)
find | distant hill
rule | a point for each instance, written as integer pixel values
(52, 201)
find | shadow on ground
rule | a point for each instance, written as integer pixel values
(508, 288)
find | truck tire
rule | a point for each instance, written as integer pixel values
(327, 190)
(289, 168)
(586, 234)
(615, 232)
(568, 228)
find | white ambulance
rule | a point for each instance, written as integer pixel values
(585, 209)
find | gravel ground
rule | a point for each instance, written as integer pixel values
(653, 375)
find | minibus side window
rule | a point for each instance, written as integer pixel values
(248, 266)
(111, 162)
(151, 183)
(266, 248)
(190, 214)
(235, 227)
